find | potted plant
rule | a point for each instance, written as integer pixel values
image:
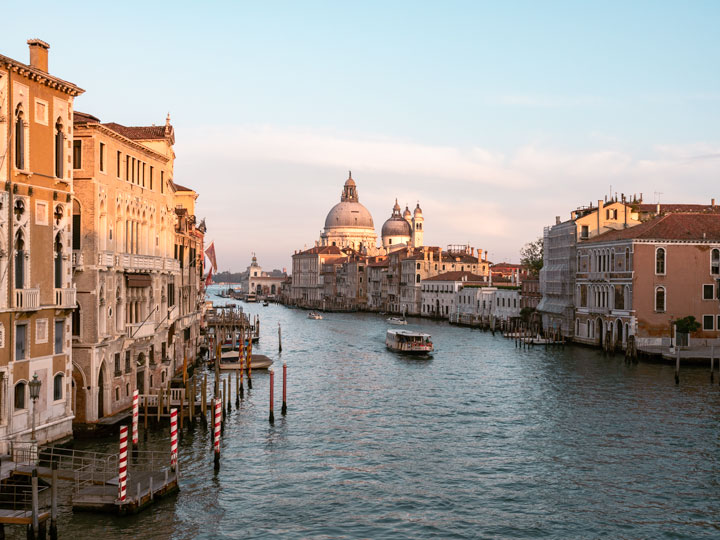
(683, 328)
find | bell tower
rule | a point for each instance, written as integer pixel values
(417, 227)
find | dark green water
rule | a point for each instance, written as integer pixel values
(482, 441)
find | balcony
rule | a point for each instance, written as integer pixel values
(77, 259)
(106, 258)
(171, 265)
(140, 330)
(65, 298)
(27, 298)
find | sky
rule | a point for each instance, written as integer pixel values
(495, 116)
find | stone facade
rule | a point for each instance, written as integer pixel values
(36, 230)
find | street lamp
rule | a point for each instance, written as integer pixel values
(34, 395)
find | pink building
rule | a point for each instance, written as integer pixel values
(637, 281)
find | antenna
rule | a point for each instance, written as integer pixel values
(657, 196)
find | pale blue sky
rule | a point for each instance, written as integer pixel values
(497, 116)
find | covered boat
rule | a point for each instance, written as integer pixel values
(407, 341)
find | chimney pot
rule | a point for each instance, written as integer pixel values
(712, 203)
(557, 220)
(38, 54)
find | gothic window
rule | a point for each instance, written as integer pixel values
(19, 261)
(58, 262)
(660, 261)
(19, 139)
(76, 225)
(715, 262)
(58, 387)
(59, 153)
(20, 396)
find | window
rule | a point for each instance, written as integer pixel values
(117, 364)
(660, 261)
(20, 396)
(143, 174)
(127, 362)
(708, 292)
(59, 153)
(627, 259)
(75, 322)
(715, 262)
(417, 278)
(151, 177)
(584, 231)
(59, 336)
(127, 168)
(41, 330)
(117, 393)
(102, 157)
(660, 299)
(708, 322)
(418, 266)
(20, 341)
(162, 185)
(127, 389)
(19, 140)
(58, 387)
(119, 159)
(77, 154)
(132, 175)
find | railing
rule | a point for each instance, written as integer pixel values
(171, 265)
(140, 330)
(106, 258)
(27, 298)
(65, 298)
(77, 258)
(18, 497)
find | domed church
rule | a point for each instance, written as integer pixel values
(350, 225)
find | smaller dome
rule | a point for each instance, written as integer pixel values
(396, 208)
(396, 227)
(406, 213)
(418, 211)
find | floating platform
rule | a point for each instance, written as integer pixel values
(143, 489)
(229, 362)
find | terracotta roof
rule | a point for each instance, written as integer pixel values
(379, 264)
(84, 118)
(137, 132)
(178, 187)
(507, 265)
(456, 276)
(321, 250)
(461, 257)
(667, 208)
(680, 226)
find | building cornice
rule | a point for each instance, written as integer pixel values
(40, 76)
(115, 135)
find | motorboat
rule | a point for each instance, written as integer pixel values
(266, 303)
(314, 315)
(407, 341)
(230, 361)
(396, 320)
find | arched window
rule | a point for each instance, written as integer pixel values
(76, 224)
(117, 393)
(58, 262)
(20, 396)
(76, 321)
(660, 261)
(715, 262)
(627, 259)
(19, 139)
(19, 261)
(59, 147)
(58, 387)
(660, 299)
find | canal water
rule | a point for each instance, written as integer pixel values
(483, 440)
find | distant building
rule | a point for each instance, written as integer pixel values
(439, 293)
(260, 282)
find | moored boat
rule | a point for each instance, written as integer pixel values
(314, 315)
(396, 320)
(407, 341)
(229, 361)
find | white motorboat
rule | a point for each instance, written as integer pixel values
(313, 315)
(407, 341)
(396, 320)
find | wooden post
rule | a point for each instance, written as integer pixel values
(279, 338)
(182, 413)
(283, 409)
(229, 392)
(237, 387)
(224, 395)
(159, 404)
(203, 404)
(53, 502)
(192, 396)
(35, 504)
(217, 414)
(146, 417)
(271, 418)
(222, 410)
(677, 365)
(712, 362)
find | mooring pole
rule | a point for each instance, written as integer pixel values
(53, 502)
(216, 432)
(283, 409)
(237, 387)
(35, 504)
(271, 418)
(203, 404)
(677, 365)
(279, 338)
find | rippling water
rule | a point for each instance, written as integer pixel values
(482, 441)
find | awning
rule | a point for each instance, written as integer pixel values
(138, 280)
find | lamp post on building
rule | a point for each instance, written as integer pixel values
(34, 385)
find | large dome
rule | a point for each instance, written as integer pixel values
(349, 214)
(396, 226)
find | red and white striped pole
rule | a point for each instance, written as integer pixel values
(173, 440)
(271, 419)
(122, 464)
(135, 418)
(283, 409)
(216, 432)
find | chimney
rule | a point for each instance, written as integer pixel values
(712, 203)
(557, 220)
(38, 54)
(480, 252)
(601, 206)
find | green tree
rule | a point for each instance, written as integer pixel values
(531, 255)
(687, 325)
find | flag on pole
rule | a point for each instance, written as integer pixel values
(210, 252)
(208, 279)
